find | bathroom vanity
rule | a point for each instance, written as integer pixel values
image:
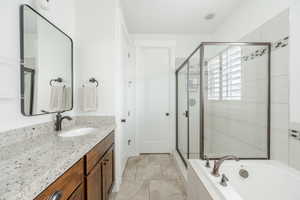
(37, 163)
(92, 176)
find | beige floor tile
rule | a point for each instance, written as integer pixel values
(148, 172)
(151, 177)
(166, 189)
(130, 169)
(170, 171)
(133, 190)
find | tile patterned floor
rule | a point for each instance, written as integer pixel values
(151, 177)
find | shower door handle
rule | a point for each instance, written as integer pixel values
(186, 113)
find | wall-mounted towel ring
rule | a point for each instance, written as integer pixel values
(93, 80)
(59, 80)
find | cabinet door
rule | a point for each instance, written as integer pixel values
(94, 184)
(78, 194)
(108, 173)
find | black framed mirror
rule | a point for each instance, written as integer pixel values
(46, 55)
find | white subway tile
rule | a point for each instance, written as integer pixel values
(279, 145)
(280, 116)
(280, 61)
(279, 89)
(294, 153)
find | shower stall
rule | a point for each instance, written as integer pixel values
(223, 101)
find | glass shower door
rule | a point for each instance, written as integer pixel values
(194, 103)
(182, 112)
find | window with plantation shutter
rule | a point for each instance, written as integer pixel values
(225, 76)
(231, 74)
(213, 78)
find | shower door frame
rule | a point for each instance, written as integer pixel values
(201, 97)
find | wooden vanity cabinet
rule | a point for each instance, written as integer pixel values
(94, 188)
(108, 173)
(99, 176)
(91, 178)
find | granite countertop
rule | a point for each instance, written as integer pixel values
(30, 165)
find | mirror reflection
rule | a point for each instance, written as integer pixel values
(46, 72)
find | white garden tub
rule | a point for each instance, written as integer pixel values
(268, 180)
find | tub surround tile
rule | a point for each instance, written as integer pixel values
(34, 157)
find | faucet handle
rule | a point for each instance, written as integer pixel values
(224, 180)
(207, 164)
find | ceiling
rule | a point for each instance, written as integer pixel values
(176, 16)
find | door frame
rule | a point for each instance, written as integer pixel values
(170, 45)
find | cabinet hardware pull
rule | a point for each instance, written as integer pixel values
(56, 195)
(106, 160)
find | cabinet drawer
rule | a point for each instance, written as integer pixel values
(65, 185)
(93, 157)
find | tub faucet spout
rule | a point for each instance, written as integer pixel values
(218, 163)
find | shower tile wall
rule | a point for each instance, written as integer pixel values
(277, 29)
(239, 127)
(241, 137)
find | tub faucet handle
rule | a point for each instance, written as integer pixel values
(207, 164)
(224, 180)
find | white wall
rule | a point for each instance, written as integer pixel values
(185, 44)
(295, 63)
(248, 17)
(95, 50)
(61, 14)
(99, 51)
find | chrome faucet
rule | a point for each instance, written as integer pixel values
(59, 119)
(218, 163)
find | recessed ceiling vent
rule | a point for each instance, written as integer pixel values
(210, 16)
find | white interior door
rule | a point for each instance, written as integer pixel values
(153, 95)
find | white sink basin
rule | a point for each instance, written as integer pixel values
(77, 132)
